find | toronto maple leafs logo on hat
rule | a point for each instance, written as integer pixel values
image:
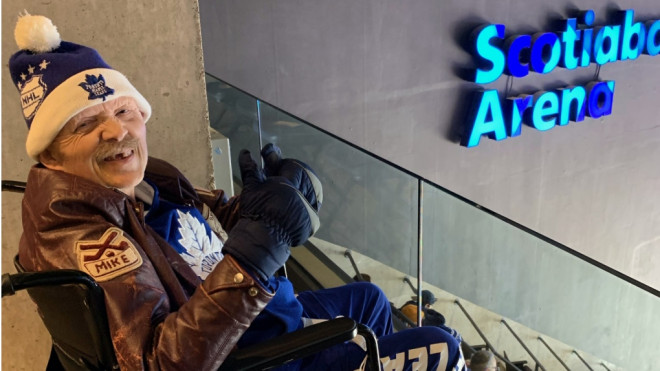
(96, 87)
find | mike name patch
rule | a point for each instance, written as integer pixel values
(108, 257)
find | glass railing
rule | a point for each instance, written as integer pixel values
(397, 218)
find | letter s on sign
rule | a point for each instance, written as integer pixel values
(490, 53)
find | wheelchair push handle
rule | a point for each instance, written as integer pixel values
(7, 285)
(13, 186)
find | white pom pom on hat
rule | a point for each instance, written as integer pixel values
(36, 33)
(58, 79)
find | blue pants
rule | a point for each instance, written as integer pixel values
(423, 348)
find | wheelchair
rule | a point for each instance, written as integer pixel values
(72, 307)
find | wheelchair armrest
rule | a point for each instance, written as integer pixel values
(13, 186)
(294, 345)
(21, 281)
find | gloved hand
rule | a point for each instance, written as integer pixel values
(274, 216)
(298, 173)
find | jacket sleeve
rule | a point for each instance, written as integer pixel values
(201, 334)
(225, 210)
(149, 330)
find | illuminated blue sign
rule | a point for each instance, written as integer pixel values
(577, 45)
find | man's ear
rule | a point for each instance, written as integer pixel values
(48, 160)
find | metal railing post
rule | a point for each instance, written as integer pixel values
(412, 287)
(348, 254)
(483, 337)
(538, 364)
(553, 353)
(582, 359)
(420, 216)
(261, 144)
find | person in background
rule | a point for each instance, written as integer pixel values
(409, 309)
(430, 316)
(483, 360)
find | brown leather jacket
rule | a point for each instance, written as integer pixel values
(161, 316)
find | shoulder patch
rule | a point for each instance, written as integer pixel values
(110, 256)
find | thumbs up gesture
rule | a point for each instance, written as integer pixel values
(301, 176)
(277, 211)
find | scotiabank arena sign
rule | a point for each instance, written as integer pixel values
(577, 46)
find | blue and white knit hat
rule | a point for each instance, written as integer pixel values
(58, 79)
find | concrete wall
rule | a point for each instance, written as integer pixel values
(157, 44)
(385, 76)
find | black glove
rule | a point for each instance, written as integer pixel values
(299, 174)
(273, 217)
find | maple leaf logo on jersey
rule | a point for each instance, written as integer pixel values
(96, 87)
(202, 253)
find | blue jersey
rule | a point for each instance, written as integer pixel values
(186, 230)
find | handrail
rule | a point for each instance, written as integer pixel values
(407, 280)
(553, 353)
(582, 359)
(513, 223)
(348, 254)
(484, 338)
(538, 363)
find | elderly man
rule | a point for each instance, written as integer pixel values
(187, 274)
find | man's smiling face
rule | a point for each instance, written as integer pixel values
(105, 143)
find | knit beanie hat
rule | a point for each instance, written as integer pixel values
(58, 79)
